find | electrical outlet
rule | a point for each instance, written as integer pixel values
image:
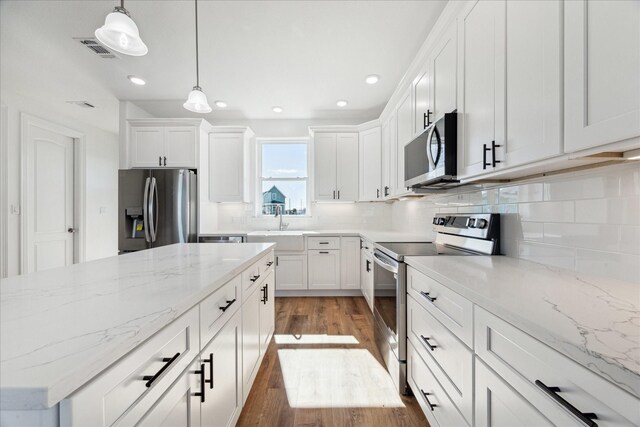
(103, 209)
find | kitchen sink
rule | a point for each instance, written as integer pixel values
(287, 240)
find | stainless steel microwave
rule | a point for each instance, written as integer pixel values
(430, 159)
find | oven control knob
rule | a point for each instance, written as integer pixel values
(481, 223)
(471, 222)
(442, 221)
(435, 220)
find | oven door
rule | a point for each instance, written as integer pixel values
(389, 300)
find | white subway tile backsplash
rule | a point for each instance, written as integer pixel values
(587, 236)
(625, 211)
(533, 231)
(522, 193)
(547, 211)
(614, 265)
(557, 256)
(630, 240)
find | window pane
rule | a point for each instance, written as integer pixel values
(290, 195)
(284, 160)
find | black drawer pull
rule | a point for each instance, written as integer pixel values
(228, 305)
(484, 156)
(426, 341)
(264, 294)
(586, 417)
(323, 243)
(254, 278)
(324, 252)
(428, 296)
(202, 381)
(210, 362)
(168, 361)
(270, 263)
(426, 397)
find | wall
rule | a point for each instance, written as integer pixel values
(100, 174)
(586, 221)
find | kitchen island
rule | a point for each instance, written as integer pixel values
(61, 328)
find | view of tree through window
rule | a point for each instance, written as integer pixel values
(284, 178)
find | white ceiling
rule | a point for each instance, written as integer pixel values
(301, 55)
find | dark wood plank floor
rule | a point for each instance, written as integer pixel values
(268, 405)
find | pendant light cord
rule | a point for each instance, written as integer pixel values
(197, 61)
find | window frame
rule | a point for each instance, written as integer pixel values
(260, 142)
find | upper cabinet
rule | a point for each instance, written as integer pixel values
(228, 164)
(422, 102)
(601, 69)
(157, 143)
(371, 165)
(404, 134)
(335, 166)
(389, 154)
(442, 67)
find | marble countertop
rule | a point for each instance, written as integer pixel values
(61, 327)
(375, 236)
(594, 321)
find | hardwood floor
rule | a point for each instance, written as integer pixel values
(306, 318)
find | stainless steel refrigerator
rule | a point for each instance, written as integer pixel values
(156, 207)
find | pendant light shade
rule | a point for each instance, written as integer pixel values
(121, 34)
(197, 101)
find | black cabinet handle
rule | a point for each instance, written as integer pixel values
(210, 362)
(266, 292)
(159, 160)
(264, 295)
(324, 252)
(428, 296)
(334, 194)
(484, 156)
(277, 261)
(168, 361)
(426, 397)
(493, 153)
(386, 190)
(323, 243)
(165, 160)
(254, 278)
(377, 193)
(228, 305)
(426, 341)
(368, 266)
(338, 194)
(202, 381)
(270, 263)
(586, 417)
(426, 121)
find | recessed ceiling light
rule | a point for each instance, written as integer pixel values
(341, 103)
(372, 79)
(137, 80)
(221, 104)
(277, 109)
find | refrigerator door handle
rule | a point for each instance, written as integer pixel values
(153, 208)
(185, 203)
(145, 211)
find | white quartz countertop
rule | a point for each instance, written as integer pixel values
(61, 327)
(375, 236)
(594, 321)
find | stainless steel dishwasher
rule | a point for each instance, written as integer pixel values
(219, 238)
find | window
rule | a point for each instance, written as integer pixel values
(283, 177)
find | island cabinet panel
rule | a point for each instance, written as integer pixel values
(542, 375)
(222, 362)
(136, 382)
(250, 340)
(218, 308)
(267, 311)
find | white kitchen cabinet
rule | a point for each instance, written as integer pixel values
(222, 362)
(163, 146)
(481, 83)
(443, 66)
(267, 311)
(179, 406)
(371, 165)
(421, 101)
(533, 81)
(324, 269)
(349, 262)
(499, 405)
(250, 340)
(335, 166)
(366, 272)
(291, 272)
(404, 134)
(601, 69)
(389, 156)
(228, 166)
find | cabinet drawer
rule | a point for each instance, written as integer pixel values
(451, 309)
(250, 279)
(217, 308)
(123, 386)
(266, 265)
(323, 243)
(530, 366)
(452, 359)
(429, 393)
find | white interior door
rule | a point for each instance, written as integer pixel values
(49, 218)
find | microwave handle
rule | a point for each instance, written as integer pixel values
(432, 163)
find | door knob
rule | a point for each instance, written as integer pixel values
(71, 230)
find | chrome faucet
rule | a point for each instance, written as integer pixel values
(279, 213)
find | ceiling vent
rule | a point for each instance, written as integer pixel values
(83, 104)
(95, 47)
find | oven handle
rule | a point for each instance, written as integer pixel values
(384, 264)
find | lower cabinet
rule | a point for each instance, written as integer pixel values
(349, 261)
(291, 272)
(366, 274)
(498, 404)
(324, 269)
(267, 312)
(179, 406)
(250, 340)
(222, 362)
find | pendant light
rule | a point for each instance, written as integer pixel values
(120, 33)
(197, 100)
